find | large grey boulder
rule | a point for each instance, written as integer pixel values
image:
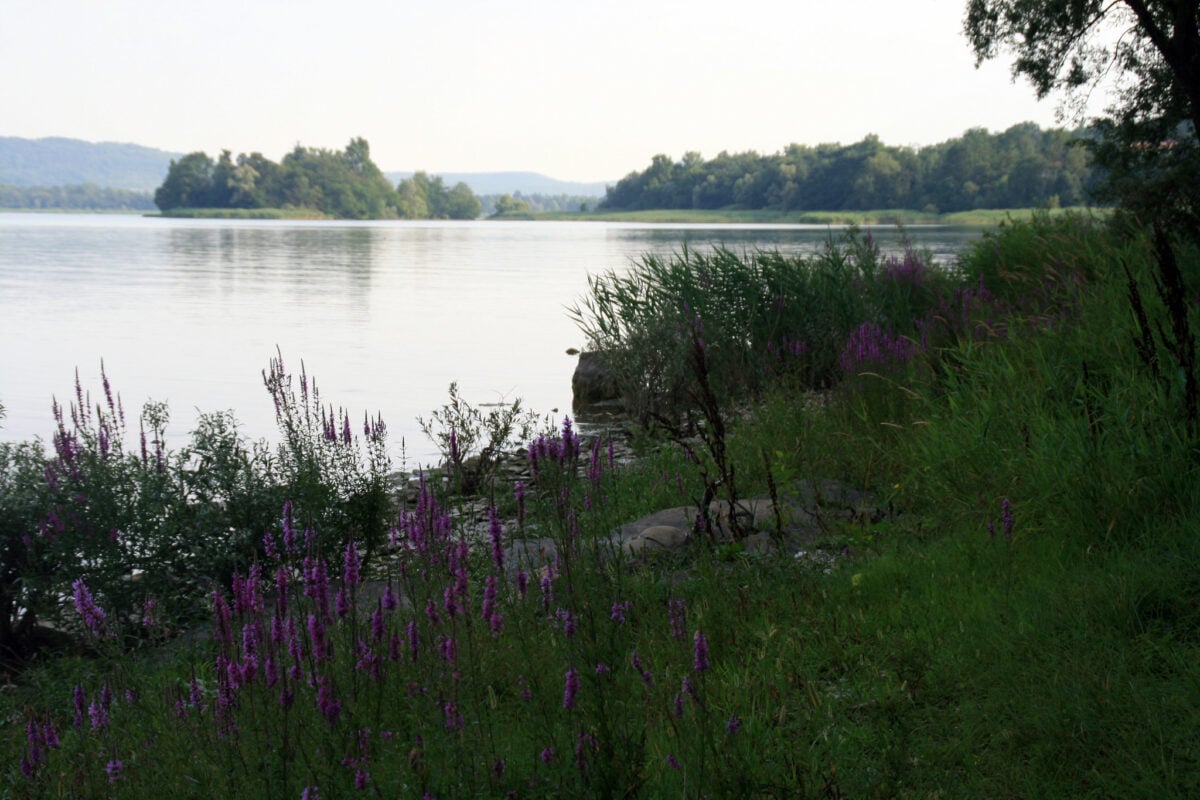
(593, 383)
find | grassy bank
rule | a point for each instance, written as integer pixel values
(243, 213)
(876, 217)
(1024, 622)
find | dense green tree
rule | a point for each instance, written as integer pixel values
(413, 197)
(188, 183)
(462, 203)
(344, 184)
(422, 197)
(507, 206)
(1021, 167)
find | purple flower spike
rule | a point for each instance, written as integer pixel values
(701, 652)
(1006, 517)
(677, 616)
(571, 689)
(93, 615)
(351, 572)
(496, 531)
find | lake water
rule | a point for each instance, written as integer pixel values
(384, 314)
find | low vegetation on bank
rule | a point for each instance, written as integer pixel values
(891, 216)
(231, 619)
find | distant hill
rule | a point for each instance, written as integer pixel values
(488, 183)
(56, 161)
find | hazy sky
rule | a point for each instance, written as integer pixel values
(578, 91)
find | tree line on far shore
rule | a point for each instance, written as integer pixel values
(345, 184)
(1022, 167)
(73, 197)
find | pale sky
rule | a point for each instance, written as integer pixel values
(576, 91)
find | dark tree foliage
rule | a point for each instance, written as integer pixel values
(1021, 167)
(1150, 51)
(188, 183)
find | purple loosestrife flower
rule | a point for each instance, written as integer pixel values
(368, 660)
(316, 635)
(281, 591)
(548, 755)
(454, 718)
(448, 650)
(342, 602)
(733, 725)
(522, 583)
(568, 621)
(1006, 518)
(390, 601)
(310, 793)
(570, 689)
(327, 702)
(700, 664)
(98, 713)
(678, 706)
(647, 676)
(496, 532)
(602, 668)
(595, 465)
(351, 565)
(619, 610)
(80, 699)
(149, 612)
(268, 541)
(413, 640)
(377, 627)
(489, 597)
(547, 590)
(673, 762)
(293, 646)
(114, 768)
(431, 612)
(677, 617)
(93, 615)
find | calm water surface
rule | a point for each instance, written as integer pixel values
(384, 314)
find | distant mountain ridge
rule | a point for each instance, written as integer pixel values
(61, 161)
(487, 183)
(58, 161)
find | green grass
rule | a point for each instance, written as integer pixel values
(244, 213)
(876, 217)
